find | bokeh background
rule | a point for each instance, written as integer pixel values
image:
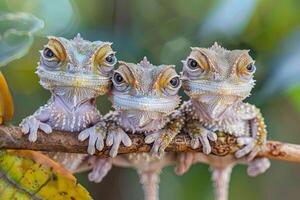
(164, 31)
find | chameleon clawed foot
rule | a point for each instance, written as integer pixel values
(258, 166)
(184, 162)
(160, 139)
(250, 147)
(96, 135)
(115, 137)
(203, 136)
(31, 125)
(101, 167)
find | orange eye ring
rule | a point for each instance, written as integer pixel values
(55, 50)
(247, 71)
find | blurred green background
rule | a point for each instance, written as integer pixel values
(164, 31)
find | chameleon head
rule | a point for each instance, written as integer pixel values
(76, 63)
(144, 94)
(217, 77)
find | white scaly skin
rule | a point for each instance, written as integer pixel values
(144, 99)
(75, 72)
(217, 81)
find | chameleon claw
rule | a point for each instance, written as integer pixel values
(46, 128)
(250, 146)
(184, 162)
(100, 169)
(31, 125)
(25, 128)
(115, 137)
(204, 137)
(160, 139)
(258, 166)
(195, 143)
(96, 135)
(244, 140)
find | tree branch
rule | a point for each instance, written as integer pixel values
(13, 138)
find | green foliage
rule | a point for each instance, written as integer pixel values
(16, 38)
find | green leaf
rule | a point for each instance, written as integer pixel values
(16, 38)
(24, 23)
(14, 46)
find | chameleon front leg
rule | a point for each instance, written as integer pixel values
(38, 120)
(256, 142)
(106, 127)
(252, 145)
(163, 137)
(96, 135)
(116, 136)
(200, 135)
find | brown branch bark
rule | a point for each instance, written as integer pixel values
(13, 138)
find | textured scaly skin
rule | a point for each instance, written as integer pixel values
(217, 81)
(75, 72)
(144, 101)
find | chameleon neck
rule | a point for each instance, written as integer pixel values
(72, 98)
(214, 112)
(141, 121)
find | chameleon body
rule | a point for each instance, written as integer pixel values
(144, 97)
(218, 80)
(75, 72)
(26, 174)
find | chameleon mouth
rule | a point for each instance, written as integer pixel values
(150, 104)
(194, 88)
(51, 79)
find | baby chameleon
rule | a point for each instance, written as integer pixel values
(217, 81)
(144, 96)
(76, 72)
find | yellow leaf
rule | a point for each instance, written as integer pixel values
(6, 101)
(31, 175)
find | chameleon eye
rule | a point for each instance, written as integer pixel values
(104, 58)
(118, 78)
(247, 71)
(175, 82)
(250, 68)
(195, 67)
(192, 64)
(119, 82)
(48, 53)
(111, 59)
